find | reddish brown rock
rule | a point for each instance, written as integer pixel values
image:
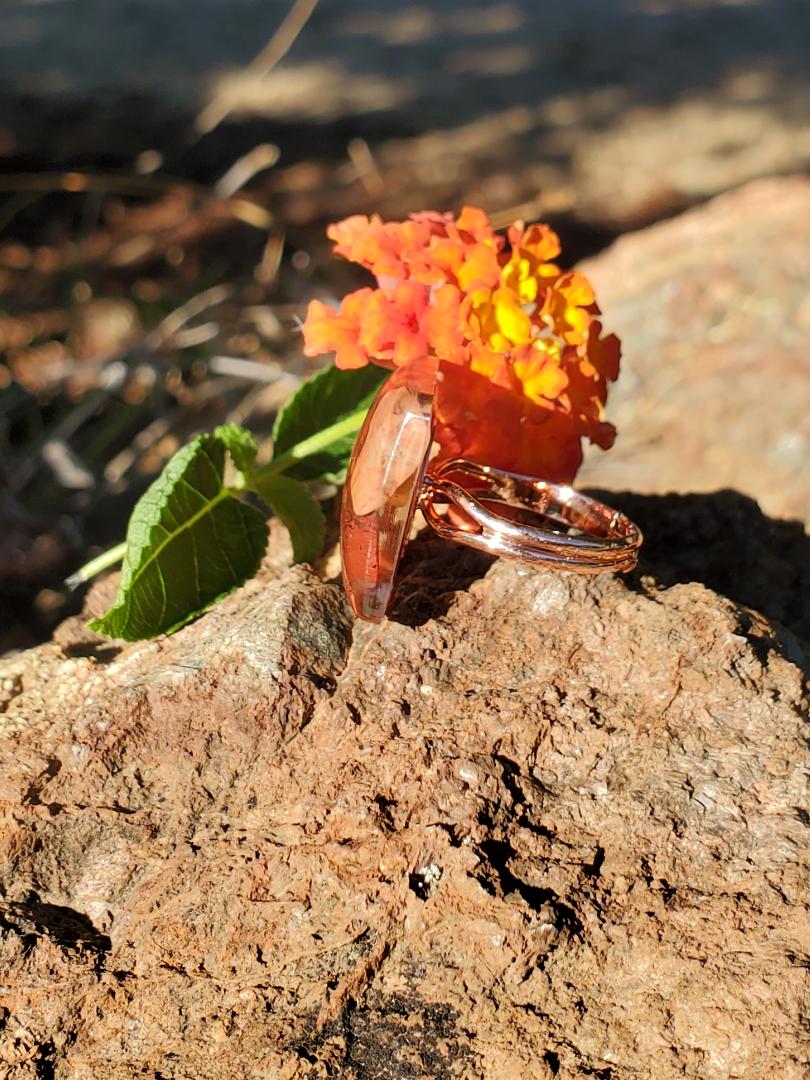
(713, 309)
(535, 826)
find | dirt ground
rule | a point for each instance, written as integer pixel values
(616, 110)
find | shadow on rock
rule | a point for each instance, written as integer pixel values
(724, 541)
(720, 539)
(430, 575)
(103, 651)
(69, 928)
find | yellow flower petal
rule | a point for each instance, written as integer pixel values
(512, 320)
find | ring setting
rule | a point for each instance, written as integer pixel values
(507, 514)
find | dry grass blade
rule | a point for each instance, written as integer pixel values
(182, 315)
(261, 157)
(64, 463)
(240, 368)
(276, 49)
(79, 183)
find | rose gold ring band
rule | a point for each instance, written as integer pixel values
(390, 474)
(479, 498)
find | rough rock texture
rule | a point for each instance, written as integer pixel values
(713, 309)
(535, 826)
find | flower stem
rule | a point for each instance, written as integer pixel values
(322, 440)
(95, 566)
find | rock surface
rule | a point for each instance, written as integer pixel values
(535, 826)
(713, 309)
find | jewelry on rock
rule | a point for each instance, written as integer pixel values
(500, 512)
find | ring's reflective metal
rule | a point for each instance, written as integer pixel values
(504, 513)
(604, 539)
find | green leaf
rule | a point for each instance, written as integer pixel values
(190, 541)
(328, 467)
(299, 511)
(239, 443)
(321, 402)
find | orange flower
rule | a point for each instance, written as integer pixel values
(430, 248)
(377, 245)
(393, 324)
(522, 366)
(326, 330)
(481, 421)
(444, 326)
(529, 269)
(568, 306)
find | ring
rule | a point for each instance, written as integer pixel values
(503, 513)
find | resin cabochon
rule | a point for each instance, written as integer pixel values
(381, 493)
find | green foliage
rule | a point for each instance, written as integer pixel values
(325, 400)
(195, 535)
(190, 541)
(293, 502)
(240, 444)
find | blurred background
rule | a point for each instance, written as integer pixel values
(168, 167)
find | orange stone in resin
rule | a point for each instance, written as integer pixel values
(381, 491)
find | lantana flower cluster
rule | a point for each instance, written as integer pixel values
(511, 343)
